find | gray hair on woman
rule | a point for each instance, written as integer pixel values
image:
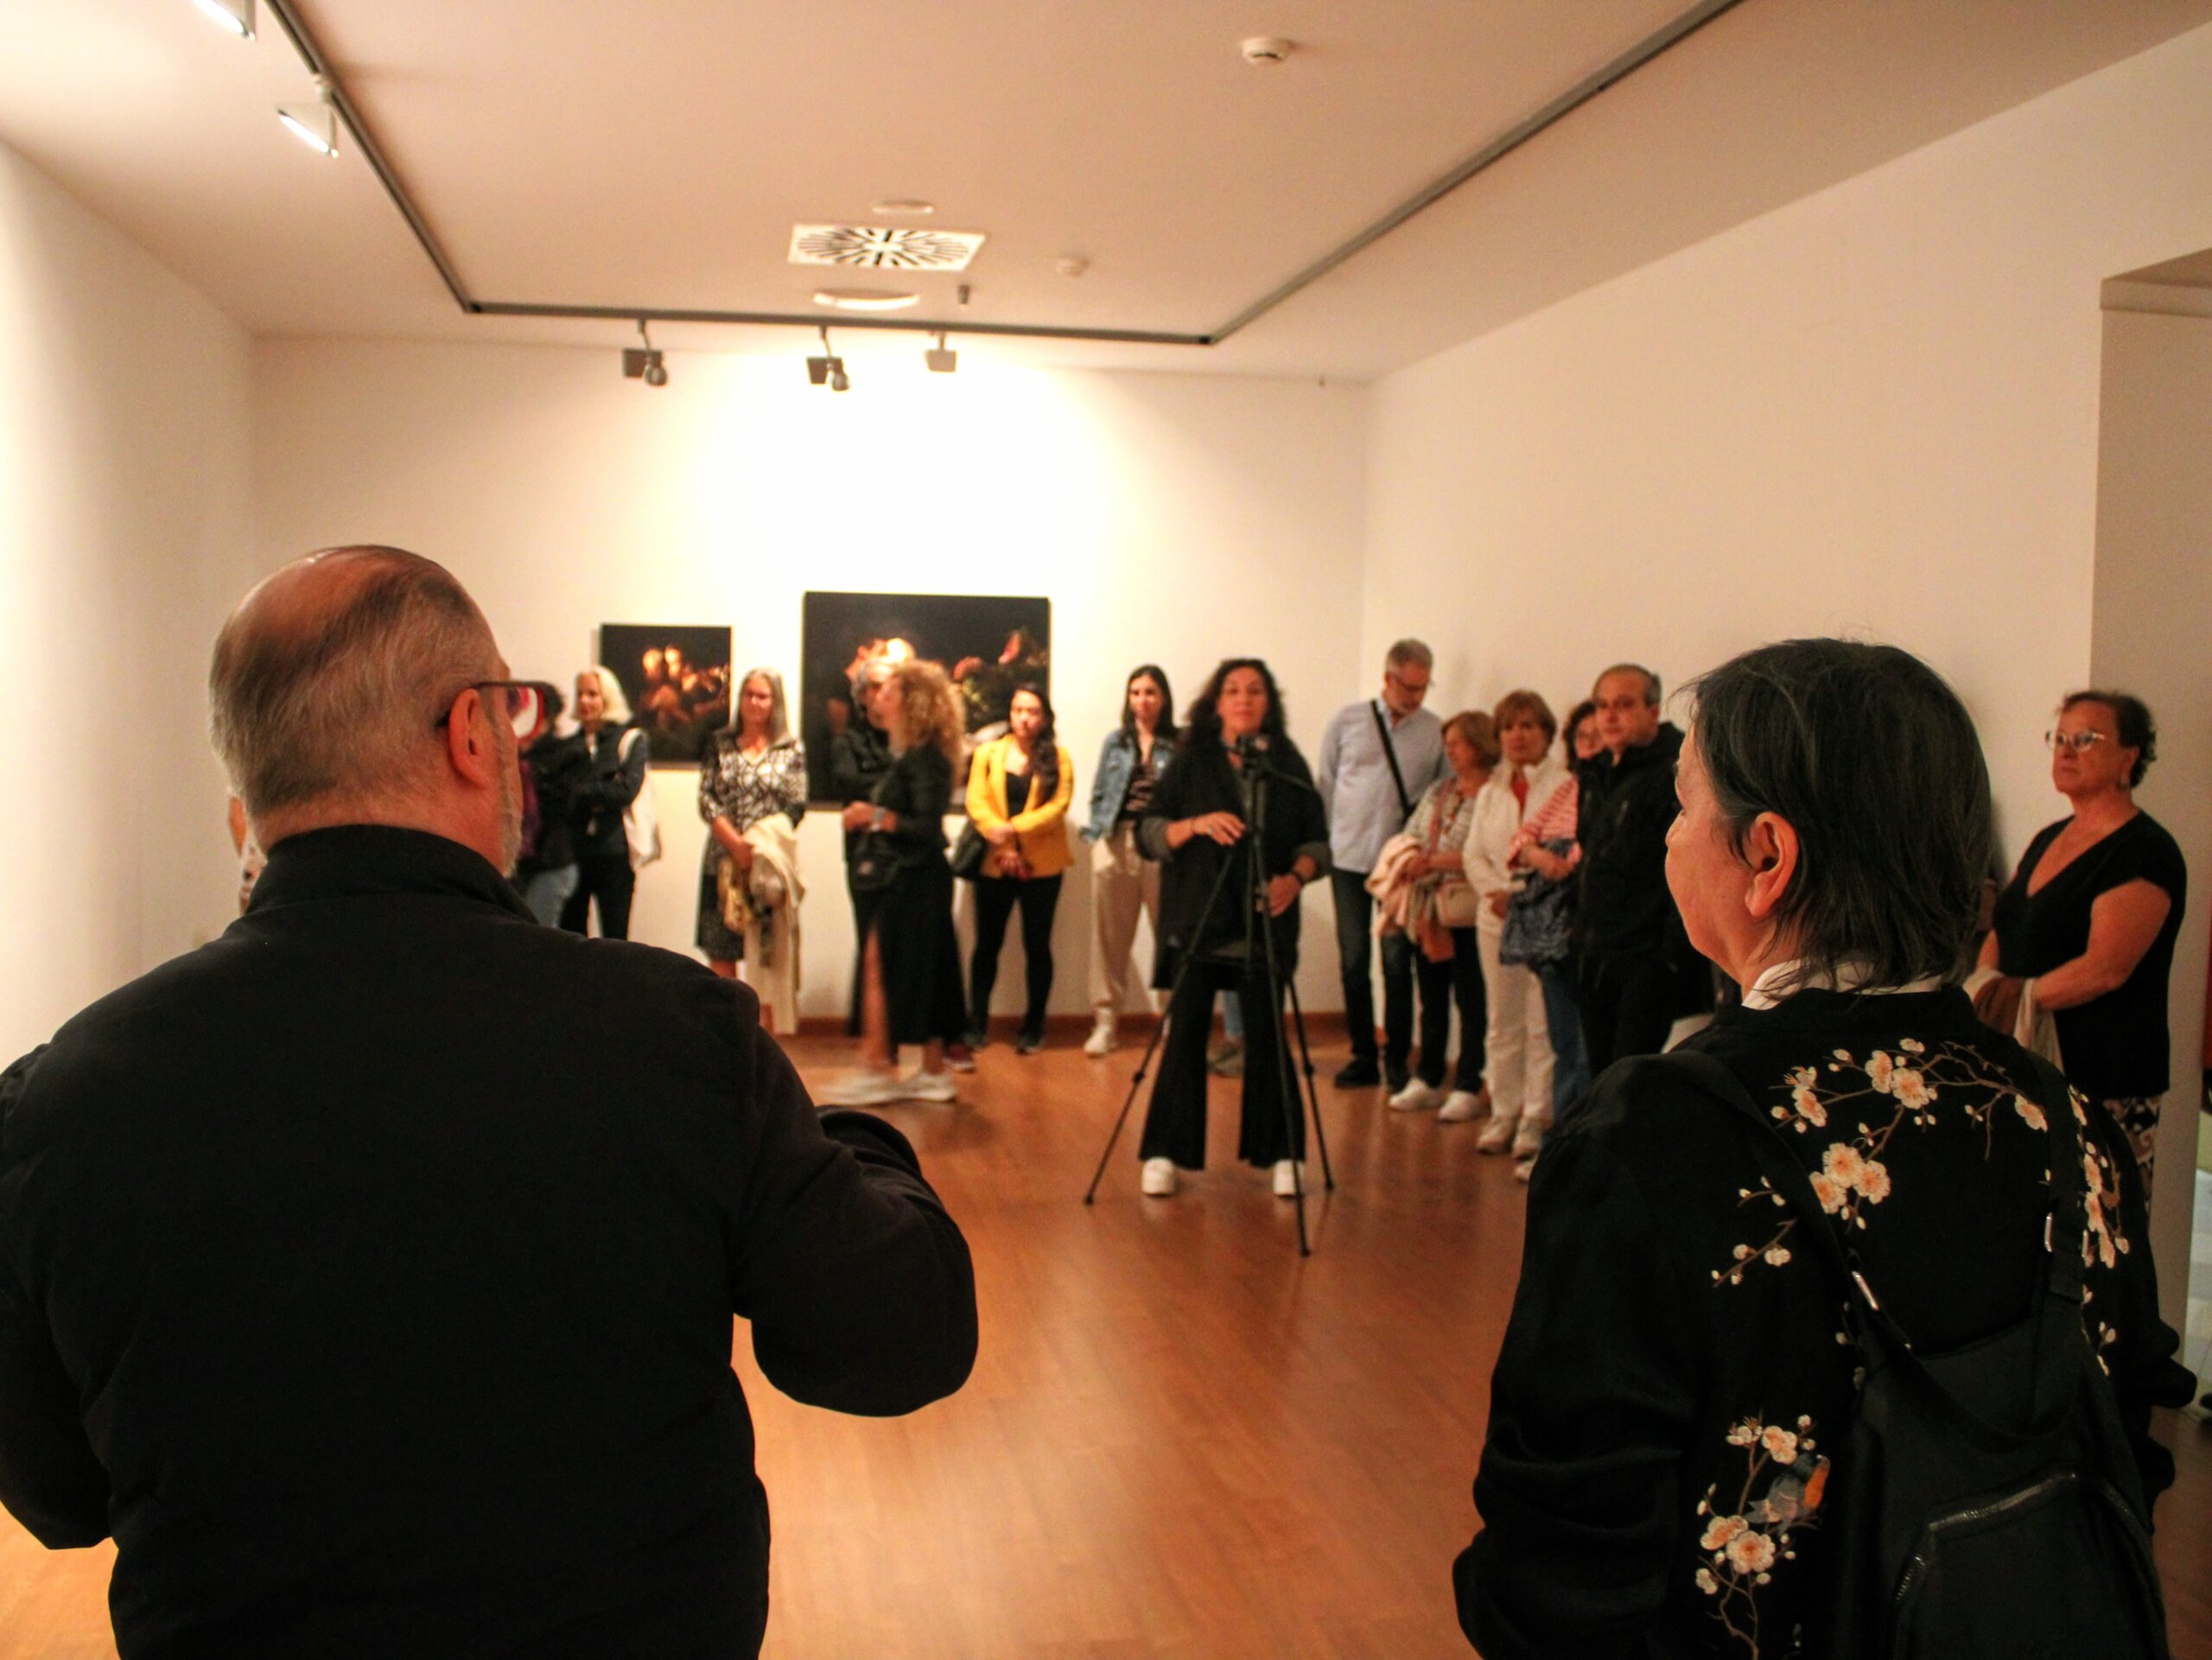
(780, 724)
(1872, 759)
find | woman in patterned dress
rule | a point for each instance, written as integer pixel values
(752, 769)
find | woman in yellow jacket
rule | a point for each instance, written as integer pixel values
(1018, 789)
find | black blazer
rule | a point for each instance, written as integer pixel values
(369, 1272)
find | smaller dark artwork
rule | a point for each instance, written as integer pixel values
(989, 644)
(676, 681)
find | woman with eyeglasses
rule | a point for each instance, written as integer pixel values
(2085, 932)
(616, 751)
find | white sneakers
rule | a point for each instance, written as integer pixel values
(1286, 1178)
(1528, 1138)
(1462, 1106)
(924, 1086)
(1416, 1096)
(1158, 1178)
(1104, 1029)
(1498, 1133)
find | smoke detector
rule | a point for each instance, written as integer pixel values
(1267, 49)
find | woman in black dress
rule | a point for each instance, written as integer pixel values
(1679, 1378)
(910, 957)
(1198, 823)
(2085, 932)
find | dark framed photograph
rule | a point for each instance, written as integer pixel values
(676, 678)
(988, 644)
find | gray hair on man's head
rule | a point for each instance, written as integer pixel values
(1651, 692)
(333, 692)
(1405, 651)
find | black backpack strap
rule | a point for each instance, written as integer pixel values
(1390, 754)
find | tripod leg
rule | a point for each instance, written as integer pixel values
(1313, 1089)
(1158, 1031)
(1293, 1104)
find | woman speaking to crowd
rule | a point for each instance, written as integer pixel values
(1235, 747)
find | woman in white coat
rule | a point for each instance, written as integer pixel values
(1519, 1041)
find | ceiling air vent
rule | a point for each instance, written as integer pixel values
(883, 247)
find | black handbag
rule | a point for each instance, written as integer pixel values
(968, 853)
(1538, 918)
(875, 863)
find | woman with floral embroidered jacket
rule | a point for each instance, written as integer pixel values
(1669, 1403)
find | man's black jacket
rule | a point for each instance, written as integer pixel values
(369, 1274)
(1621, 822)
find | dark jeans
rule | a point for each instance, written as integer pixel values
(1570, 1060)
(995, 898)
(1627, 1005)
(1175, 1126)
(1355, 933)
(1457, 980)
(608, 878)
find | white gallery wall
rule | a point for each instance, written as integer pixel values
(125, 508)
(2151, 634)
(1170, 518)
(1873, 413)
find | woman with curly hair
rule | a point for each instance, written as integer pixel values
(910, 958)
(1197, 824)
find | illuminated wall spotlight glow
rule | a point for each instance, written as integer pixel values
(234, 16)
(314, 124)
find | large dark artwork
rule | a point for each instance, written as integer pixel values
(988, 642)
(677, 680)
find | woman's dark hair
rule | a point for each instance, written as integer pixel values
(2131, 715)
(1876, 765)
(1575, 717)
(1204, 715)
(1044, 748)
(1158, 676)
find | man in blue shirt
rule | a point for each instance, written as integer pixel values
(1377, 758)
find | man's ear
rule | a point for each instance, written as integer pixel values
(1773, 852)
(469, 747)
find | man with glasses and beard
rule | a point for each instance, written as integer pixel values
(369, 1274)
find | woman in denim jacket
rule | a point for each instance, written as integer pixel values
(1131, 763)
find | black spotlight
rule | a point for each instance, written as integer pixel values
(829, 369)
(643, 362)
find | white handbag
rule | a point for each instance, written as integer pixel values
(640, 819)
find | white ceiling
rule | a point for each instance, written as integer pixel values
(655, 154)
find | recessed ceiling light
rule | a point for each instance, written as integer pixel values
(236, 15)
(863, 300)
(892, 207)
(314, 124)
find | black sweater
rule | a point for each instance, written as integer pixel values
(1626, 808)
(369, 1274)
(1664, 1307)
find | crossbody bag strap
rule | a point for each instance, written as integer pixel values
(1390, 754)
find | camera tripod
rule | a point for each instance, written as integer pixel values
(1248, 860)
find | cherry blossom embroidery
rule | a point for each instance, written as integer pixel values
(1783, 1486)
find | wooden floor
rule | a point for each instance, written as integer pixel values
(1180, 1440)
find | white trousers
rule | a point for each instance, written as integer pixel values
(1518, 1043)
(1123, 883)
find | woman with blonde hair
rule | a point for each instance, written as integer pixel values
(1520, 1040)
(910, 957)
(617, 753)
(752, 794)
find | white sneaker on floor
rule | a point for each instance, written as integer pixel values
(1528, 1138)
(1158, 1178)
(1286, 1178)
(1103, 1032)
(1462, 1106)
(1524, 1168)
(1416, 1096)
(924, 1086)
(1498, 1134)
(861, 1089)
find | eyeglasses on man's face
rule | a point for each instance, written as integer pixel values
(2077, 742)
(523, 702)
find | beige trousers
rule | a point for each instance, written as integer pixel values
(1517, 1048)
(1123, 883)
